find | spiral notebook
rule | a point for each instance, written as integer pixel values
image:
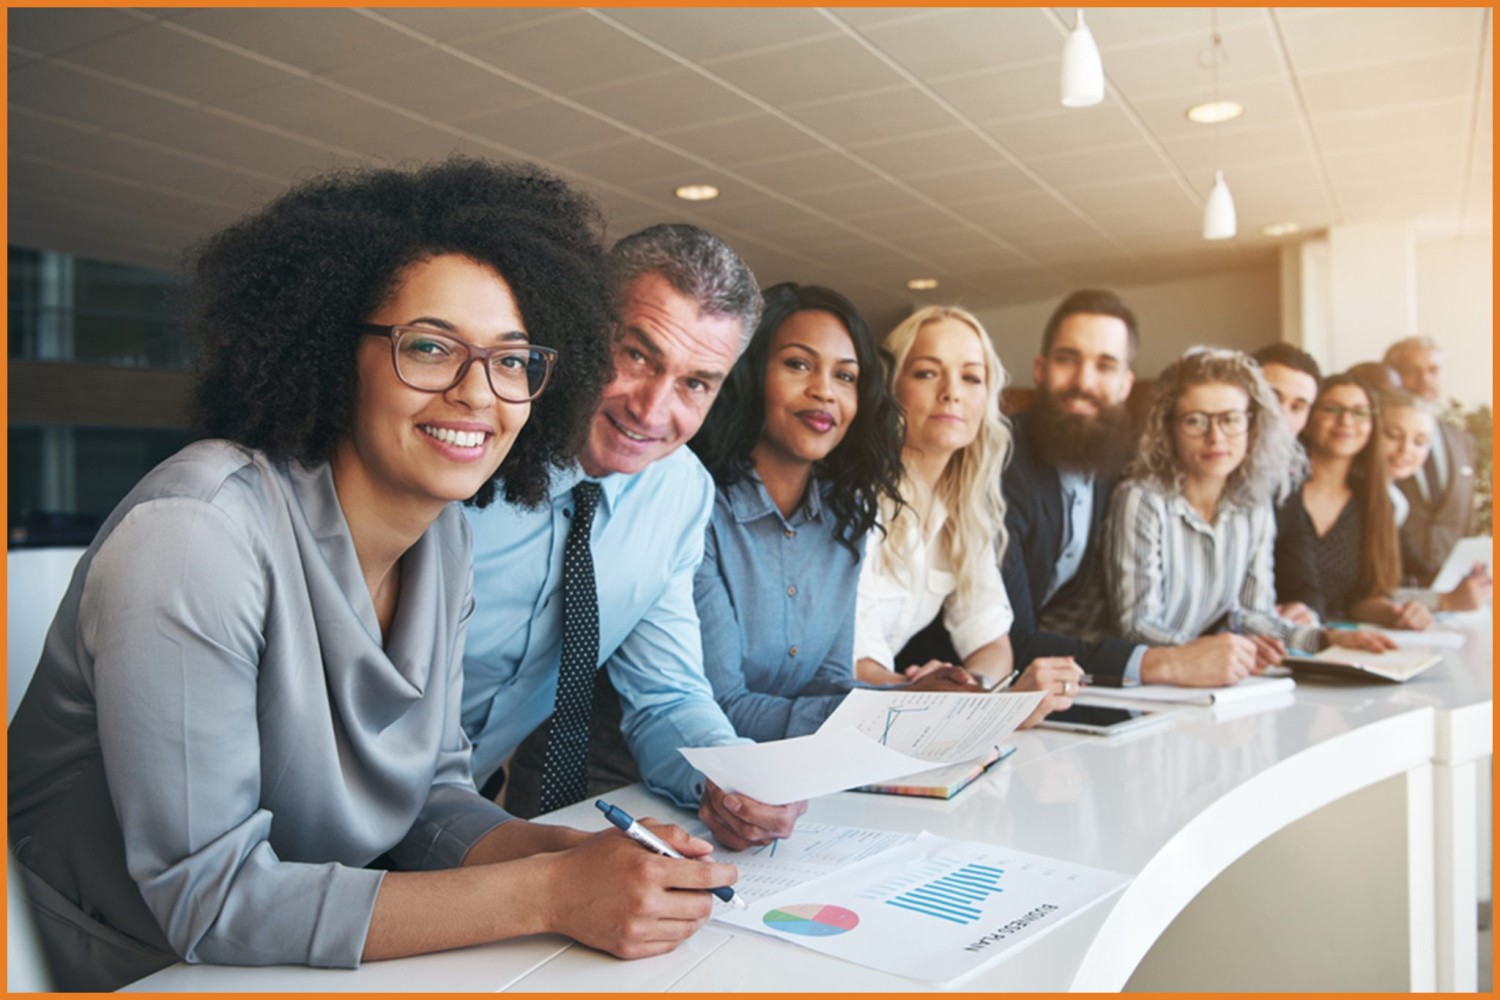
(941, 782)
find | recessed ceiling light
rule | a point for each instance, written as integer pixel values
(1213, 112)
(697, 192)
(1280, 229)
(921, 284)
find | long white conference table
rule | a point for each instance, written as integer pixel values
(1323, 840)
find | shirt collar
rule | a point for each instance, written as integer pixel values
(610, 486)
(749, 501)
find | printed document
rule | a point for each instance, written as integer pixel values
(934, 909)
(872, 737)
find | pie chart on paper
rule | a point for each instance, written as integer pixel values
(811, 919)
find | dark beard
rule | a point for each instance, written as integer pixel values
(1073, 441)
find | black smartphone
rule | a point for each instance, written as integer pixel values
(1100, 720)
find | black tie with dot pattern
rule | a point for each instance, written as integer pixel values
(564, 773)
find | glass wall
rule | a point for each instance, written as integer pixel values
(64, 478)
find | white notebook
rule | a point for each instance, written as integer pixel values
(1246, 690)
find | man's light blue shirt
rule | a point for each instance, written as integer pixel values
(647, 541)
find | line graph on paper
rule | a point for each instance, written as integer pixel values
(891, 715)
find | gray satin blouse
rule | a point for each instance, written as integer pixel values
(216, 742)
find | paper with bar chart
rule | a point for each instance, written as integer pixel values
(934, 909)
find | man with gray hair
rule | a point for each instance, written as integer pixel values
(601, 574)
(1442, 492)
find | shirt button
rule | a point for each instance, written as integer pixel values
(791, 591)
(790, 533)
(792, 651)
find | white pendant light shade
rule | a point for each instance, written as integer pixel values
(1082, 72)
(1218, 214)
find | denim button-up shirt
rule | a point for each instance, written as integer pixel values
(775, 597)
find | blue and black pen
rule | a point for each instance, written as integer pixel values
(652, 842)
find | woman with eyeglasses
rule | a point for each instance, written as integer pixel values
(242, 743)
(1190, 531)
(1342, 516)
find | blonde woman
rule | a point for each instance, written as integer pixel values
(1190, 532)
(940, 547)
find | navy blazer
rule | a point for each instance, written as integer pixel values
(1034, 520)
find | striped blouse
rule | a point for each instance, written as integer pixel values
(1172, 575)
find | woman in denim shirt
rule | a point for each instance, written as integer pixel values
(803, 442)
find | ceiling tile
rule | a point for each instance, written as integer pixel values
(796, 175)
(52, 31)
(742, 140)
(206, 134)
(1182, 65)
(873, 117)
(312, 38)
(634, 163)
(850, 199)
(544, 129)
(673, 99)
(1128, 161)
(445, 24)
(820, 69)
(567, 55)
(1008, 92)
(869, 17)
(435, 84)
(74, 96)
(926, 152)
(970, 183)
(1116, 28)
(158, 57)
(968, 39)
(702, 34)
(1063, 130)
(1334, 38)
(316, 113)
(1424, 78)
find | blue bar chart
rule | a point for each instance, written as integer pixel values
(957, 897)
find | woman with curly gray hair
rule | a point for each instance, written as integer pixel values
(1190, 532)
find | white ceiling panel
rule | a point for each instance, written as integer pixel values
(434, 84)
(568, 54)
(967, 40)
(1397, 81)
(1329, 38)
(705, 34)
(313, 38)
(157, 57)
(1062, 130)
(52, 32)
(448, 24)
(859, 146)
(818, 70)
(673, 99)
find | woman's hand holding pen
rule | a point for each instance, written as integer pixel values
(610, 894)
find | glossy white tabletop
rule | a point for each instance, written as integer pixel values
(1172, 806)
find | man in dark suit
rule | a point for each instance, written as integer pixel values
(1442, 493)
(1068, 450)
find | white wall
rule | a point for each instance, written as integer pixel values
(1455, 306)
(1234, 309)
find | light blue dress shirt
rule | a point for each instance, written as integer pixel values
(1078, 507)
(776, 597)
(647, 541)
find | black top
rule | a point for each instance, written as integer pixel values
(1321, 571)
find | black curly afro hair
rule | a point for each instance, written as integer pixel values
(276, 298)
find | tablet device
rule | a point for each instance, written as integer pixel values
(1099, 720)
(1465, 554)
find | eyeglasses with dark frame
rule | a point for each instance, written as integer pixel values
(430, 360)
(1335, 412)
(1231, 423)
